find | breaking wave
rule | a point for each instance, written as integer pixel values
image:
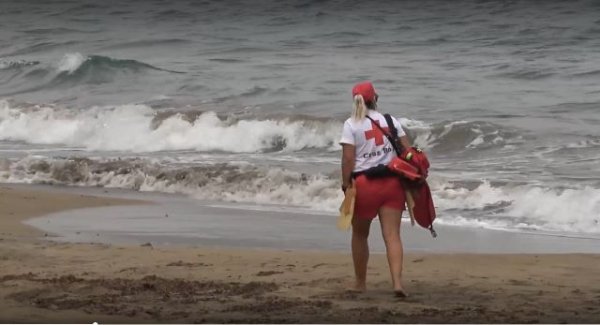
(76, 69)
(222, 182)
(138, 128)
(521, 207)
(72, 70)
(148, 130)
(457, 136)
(76, 63)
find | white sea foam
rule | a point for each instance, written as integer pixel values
(534, 207)
(8, 64)
(456, 135)
(220, 182)
(132, 128)
(135, 128)
(497, 207)
(70, 62)
(421, 130)
(5, 64)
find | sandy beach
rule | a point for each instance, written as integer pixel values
(46, 281)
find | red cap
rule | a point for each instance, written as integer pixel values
(366, 90)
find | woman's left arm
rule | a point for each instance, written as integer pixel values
(404, 142)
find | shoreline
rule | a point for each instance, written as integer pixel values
(16, 206)
(45, 281)
(178, 220)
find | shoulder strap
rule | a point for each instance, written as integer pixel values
(391, 126)
(391, 138)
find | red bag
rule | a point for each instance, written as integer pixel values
(418, 159)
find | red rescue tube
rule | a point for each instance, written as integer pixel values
(423, 211)
(404, 169)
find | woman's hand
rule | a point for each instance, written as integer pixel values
(345, 187)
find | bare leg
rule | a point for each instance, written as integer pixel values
(390, 228)
(360, 251)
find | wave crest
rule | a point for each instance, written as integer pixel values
(76, 68)
(135, 128)
(149, 130)
(457, 136)
(72, 70)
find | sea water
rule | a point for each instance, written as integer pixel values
(243, 101)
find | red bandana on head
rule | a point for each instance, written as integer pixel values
(376, 133)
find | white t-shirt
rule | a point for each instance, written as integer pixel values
(372, 146)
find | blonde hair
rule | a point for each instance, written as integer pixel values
(359, 111)
(360, 107)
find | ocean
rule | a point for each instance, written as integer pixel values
(244, 101)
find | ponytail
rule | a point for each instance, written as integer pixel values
(359, 111)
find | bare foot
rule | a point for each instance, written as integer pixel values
(400, 293)
(357, 288)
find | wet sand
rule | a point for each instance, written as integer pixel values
(183, 221)
(45, 281)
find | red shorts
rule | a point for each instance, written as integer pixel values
(372, 194)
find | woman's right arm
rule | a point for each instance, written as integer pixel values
(348, 156)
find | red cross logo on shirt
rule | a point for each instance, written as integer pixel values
(376, 133)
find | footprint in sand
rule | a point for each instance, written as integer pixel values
(128, 269)
(187, 264)
(267, 273)
(318, 265)
(518, 282)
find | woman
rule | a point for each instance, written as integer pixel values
(365, 146)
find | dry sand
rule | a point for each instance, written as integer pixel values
(43, 281)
